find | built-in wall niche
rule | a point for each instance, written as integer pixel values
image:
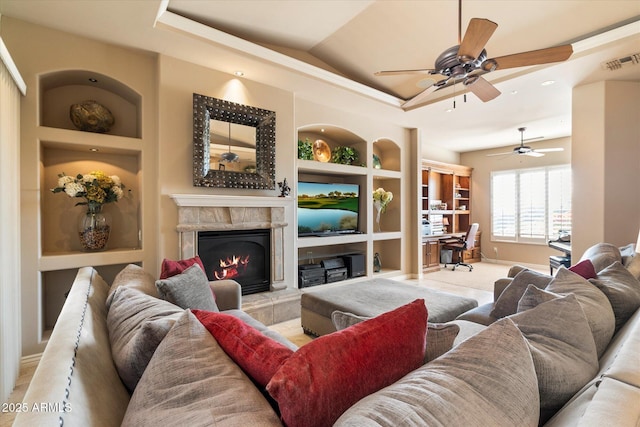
(58, 214)
(388, 251)
(316, 254)
(61, 89)
(390, 220)
(334, 136)
(56, 285)
(387, 153)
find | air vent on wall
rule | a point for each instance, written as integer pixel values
(618, 63)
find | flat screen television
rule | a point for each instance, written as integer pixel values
(327, 208)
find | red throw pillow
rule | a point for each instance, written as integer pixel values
(585, 269)
(258, 355)
(327, 376)
(171, 268)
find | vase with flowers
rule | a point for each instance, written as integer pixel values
(381, 200)
(97, 189)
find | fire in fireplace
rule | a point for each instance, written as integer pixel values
(241, 255)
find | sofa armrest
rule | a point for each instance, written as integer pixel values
(228, 294)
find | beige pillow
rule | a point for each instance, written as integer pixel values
(133, 276)
(190, 381)
(137, 323)
(595, 304)
(507, 302)
(440, 336)
(488, 380)
(621, 288)
(562, 348)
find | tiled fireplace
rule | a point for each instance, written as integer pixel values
(200, 214)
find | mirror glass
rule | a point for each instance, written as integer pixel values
(233, 144)
(232, 147)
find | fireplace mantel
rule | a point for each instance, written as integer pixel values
(203, 212)
(206, 200)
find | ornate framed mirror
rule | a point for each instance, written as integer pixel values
(234, 145)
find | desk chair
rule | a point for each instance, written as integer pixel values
(463, 244)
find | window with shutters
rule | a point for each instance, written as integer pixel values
(531, 205)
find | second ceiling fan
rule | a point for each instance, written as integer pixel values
(467, 61)
(524, 150)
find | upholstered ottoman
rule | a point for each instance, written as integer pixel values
(373, 297)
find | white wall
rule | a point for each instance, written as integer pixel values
(606, 164)
(10, 324)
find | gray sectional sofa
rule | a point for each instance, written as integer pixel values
(566, 357)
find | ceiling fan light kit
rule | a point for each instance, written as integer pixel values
(468, 61)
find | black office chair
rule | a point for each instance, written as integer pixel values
(463, 244)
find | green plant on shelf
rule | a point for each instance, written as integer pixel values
(305, 149)
(344, 155)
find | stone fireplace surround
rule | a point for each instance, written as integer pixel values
(199, 212)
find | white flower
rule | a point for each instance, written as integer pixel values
(73, 188)
(89, 178)
(64, 180)
(116, 180)
(118, 192)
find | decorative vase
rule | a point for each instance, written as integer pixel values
(378, 205)
(93, 229)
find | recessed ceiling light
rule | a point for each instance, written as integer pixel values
(514, 92)
(95, 150)
(448, 110)
(322, 130)
(92, 80)
(239, 73)
(548, 82)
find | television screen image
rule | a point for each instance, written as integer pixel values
(325, 208)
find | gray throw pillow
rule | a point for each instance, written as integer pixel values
(562, 348)
(507, 302)
(622, 289)
(440, 336)
(189, 289)
(595, 304)
(137, 323)
(190, 381)
(488, 380)
(133, 276)
(602, 255)
(533, 297)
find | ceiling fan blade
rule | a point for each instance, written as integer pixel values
(398, 72)
(483, 89)
(476, 37)
(419, 98)
(549, 150)
(533, 154)
(533, 57)
(500, 154)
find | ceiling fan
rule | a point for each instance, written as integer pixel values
(467, 62)
(523, 150)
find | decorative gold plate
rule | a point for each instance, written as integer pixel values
(321, 151)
